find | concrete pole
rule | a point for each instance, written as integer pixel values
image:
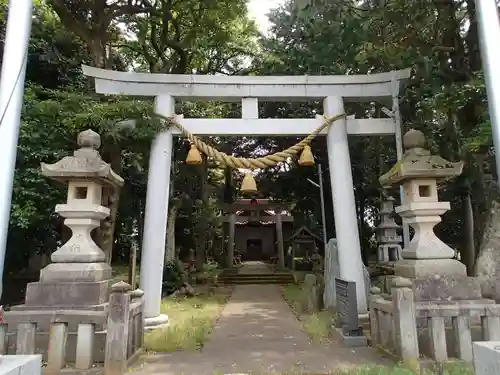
(230, 241)
(155, 218)
(11, 99)
(323, 215)
(346, 223)
(489, 36)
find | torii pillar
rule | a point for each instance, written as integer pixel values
(346, 222)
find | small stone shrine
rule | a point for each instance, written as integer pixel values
(78, 279)
(418, 172)
(389, 240)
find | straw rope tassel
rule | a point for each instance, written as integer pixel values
(194, 156)
(248, 185)
(251, 163)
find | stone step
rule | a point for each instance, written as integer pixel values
(284, 277)
(262, 275)
(255, 282)
(257, 279)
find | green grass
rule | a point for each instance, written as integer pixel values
(317, 325)
(291, 293)
(191, 320)
(454, 368)
(299, 276)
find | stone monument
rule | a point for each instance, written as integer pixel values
(418, 172)
(78, 279)
(309, 295)
(389, 240)
(331, 272)
(317, 261)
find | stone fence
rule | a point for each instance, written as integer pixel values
(410, 330)
(122, 344)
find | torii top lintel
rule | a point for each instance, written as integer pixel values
(233, 88)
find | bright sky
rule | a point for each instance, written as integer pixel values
(258, 10)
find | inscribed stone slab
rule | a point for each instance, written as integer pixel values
(332, 271)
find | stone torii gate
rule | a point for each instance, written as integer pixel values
(333, 90)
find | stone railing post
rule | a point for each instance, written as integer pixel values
(115, 360)
(374, 324)
(405, 323)
(137, 295)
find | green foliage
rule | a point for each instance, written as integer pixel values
(173, 277)
(203, 37)
(211, 270)
(445, 98)
(51, 120)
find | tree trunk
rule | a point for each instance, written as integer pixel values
(111, 199)
(361, 225)
(132, 265)
(202, 236)
(97, 49)
(140, 223)
(468, 256)
(170, 246)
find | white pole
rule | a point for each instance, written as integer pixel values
(11, 100)
(489, 37)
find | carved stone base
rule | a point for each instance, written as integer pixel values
(448, 288)
(67, 294)
(81, 272)
(421, 268)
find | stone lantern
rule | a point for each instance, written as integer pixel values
(419, 172)
(87, 175)
(389, 240)
(79, 277)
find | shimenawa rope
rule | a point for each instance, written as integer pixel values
(251, 163)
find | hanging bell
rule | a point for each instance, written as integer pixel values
(193, 156)
(248, 185)
(306, 157)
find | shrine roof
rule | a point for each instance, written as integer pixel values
(305, 229)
